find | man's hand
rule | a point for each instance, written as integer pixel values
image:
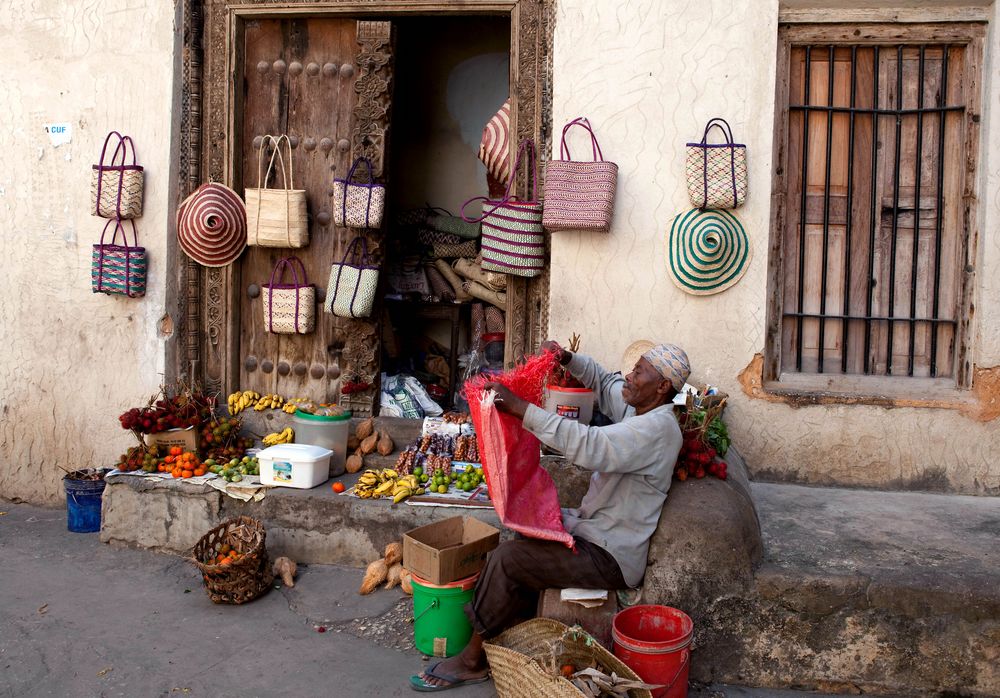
(563, 355)
(507, 401)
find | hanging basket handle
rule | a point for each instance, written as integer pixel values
(723, 126)
(583, 122)
(527, 146)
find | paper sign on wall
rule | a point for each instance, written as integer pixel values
(59, 133)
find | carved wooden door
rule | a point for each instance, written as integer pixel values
(325, 83)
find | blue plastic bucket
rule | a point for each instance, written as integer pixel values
(83, 504)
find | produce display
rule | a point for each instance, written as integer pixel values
(181, 463)
(235, 469)
(706, 439)
(374, 484)
(186, 408)
(141, 457)
(221, 440)
(285, 436)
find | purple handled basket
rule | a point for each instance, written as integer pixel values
(716, 172)
(289, 308)
(512, 238)
(116, 187)
(358, 205)
(118, 269)
(579, 195)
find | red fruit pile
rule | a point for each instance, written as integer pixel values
(697, 458)
(185, 409)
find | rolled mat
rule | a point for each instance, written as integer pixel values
(468, 269)
(456, 283)
(477, 290)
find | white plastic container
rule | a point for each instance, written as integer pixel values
(328, 432)
(294, 465)
(571, 403)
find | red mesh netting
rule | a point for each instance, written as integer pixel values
(522, 491)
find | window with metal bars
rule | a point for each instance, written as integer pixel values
(873, 178)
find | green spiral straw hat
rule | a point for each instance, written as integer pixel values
(707, 251)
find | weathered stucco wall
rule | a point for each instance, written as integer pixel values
(649, 75)
(73, 359)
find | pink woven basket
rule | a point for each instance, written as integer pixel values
(579, 195)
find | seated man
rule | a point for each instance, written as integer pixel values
(633, 463)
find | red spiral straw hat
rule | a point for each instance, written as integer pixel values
(212, 225)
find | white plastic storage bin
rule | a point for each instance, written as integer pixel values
(294, 465)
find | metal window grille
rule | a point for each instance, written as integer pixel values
(872, 243)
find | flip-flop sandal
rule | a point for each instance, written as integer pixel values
(419, 684)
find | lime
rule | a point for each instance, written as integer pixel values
(418, 471)
(442, 489)
(423, 477)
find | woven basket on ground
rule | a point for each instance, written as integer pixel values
(518, 655)
(243, 580)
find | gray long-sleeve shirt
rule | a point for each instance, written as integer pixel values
(633, 463)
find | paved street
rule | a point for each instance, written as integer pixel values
(80, 618)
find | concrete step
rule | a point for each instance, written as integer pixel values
(878, 592)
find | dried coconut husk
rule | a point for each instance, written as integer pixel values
(393, 553)
(384, 446)
(354, 463)
(374, 575)
(365, 429)
(394, 576)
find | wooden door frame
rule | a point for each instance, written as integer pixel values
(206, 346)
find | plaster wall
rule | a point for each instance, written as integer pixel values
(73, 360)
(649, 75)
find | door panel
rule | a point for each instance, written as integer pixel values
(299, 78)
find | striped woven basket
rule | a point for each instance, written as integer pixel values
(118, 269)
(580, 195)
(512, 239)
(516, 657)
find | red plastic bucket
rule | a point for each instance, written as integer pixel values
(655, 642)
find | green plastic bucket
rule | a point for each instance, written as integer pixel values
(440, 626)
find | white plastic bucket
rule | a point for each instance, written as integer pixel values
(328, 432)
(571, 403)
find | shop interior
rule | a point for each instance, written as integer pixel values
(443, 317)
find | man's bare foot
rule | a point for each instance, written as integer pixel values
(469, 665)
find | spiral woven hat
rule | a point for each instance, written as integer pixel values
(707, 251)
(212, 225)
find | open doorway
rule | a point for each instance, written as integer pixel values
(452, 77)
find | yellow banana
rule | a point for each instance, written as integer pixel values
(384, 488)
(401, 495)
(389, 472)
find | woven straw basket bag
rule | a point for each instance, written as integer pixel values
(289, 308)
(716, 173)
(276, 217)
(580, 195)
(516, 657)
(241, 581)
(116, 188)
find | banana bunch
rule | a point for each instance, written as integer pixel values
(292, 405)
(239, 401)
(280, 437)
(271, 401)
(375, 484)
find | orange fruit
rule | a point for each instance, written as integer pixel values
(186, 473)
(176, 450)
(338, 487)
(199, 471)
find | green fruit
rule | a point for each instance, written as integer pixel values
(442, 489)
(418, 471)
(236, 477)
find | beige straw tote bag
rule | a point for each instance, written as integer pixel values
(276, 217)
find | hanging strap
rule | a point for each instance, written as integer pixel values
(128, 256)
(282, 264)
(526, 146)
(347, 183)
(288, 179)
(583, 122)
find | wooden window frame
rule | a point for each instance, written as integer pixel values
(864, 388)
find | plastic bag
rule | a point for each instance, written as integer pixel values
(522, 491)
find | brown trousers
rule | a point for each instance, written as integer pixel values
(518, 570)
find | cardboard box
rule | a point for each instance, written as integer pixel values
(448, 550)
(165, 440)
